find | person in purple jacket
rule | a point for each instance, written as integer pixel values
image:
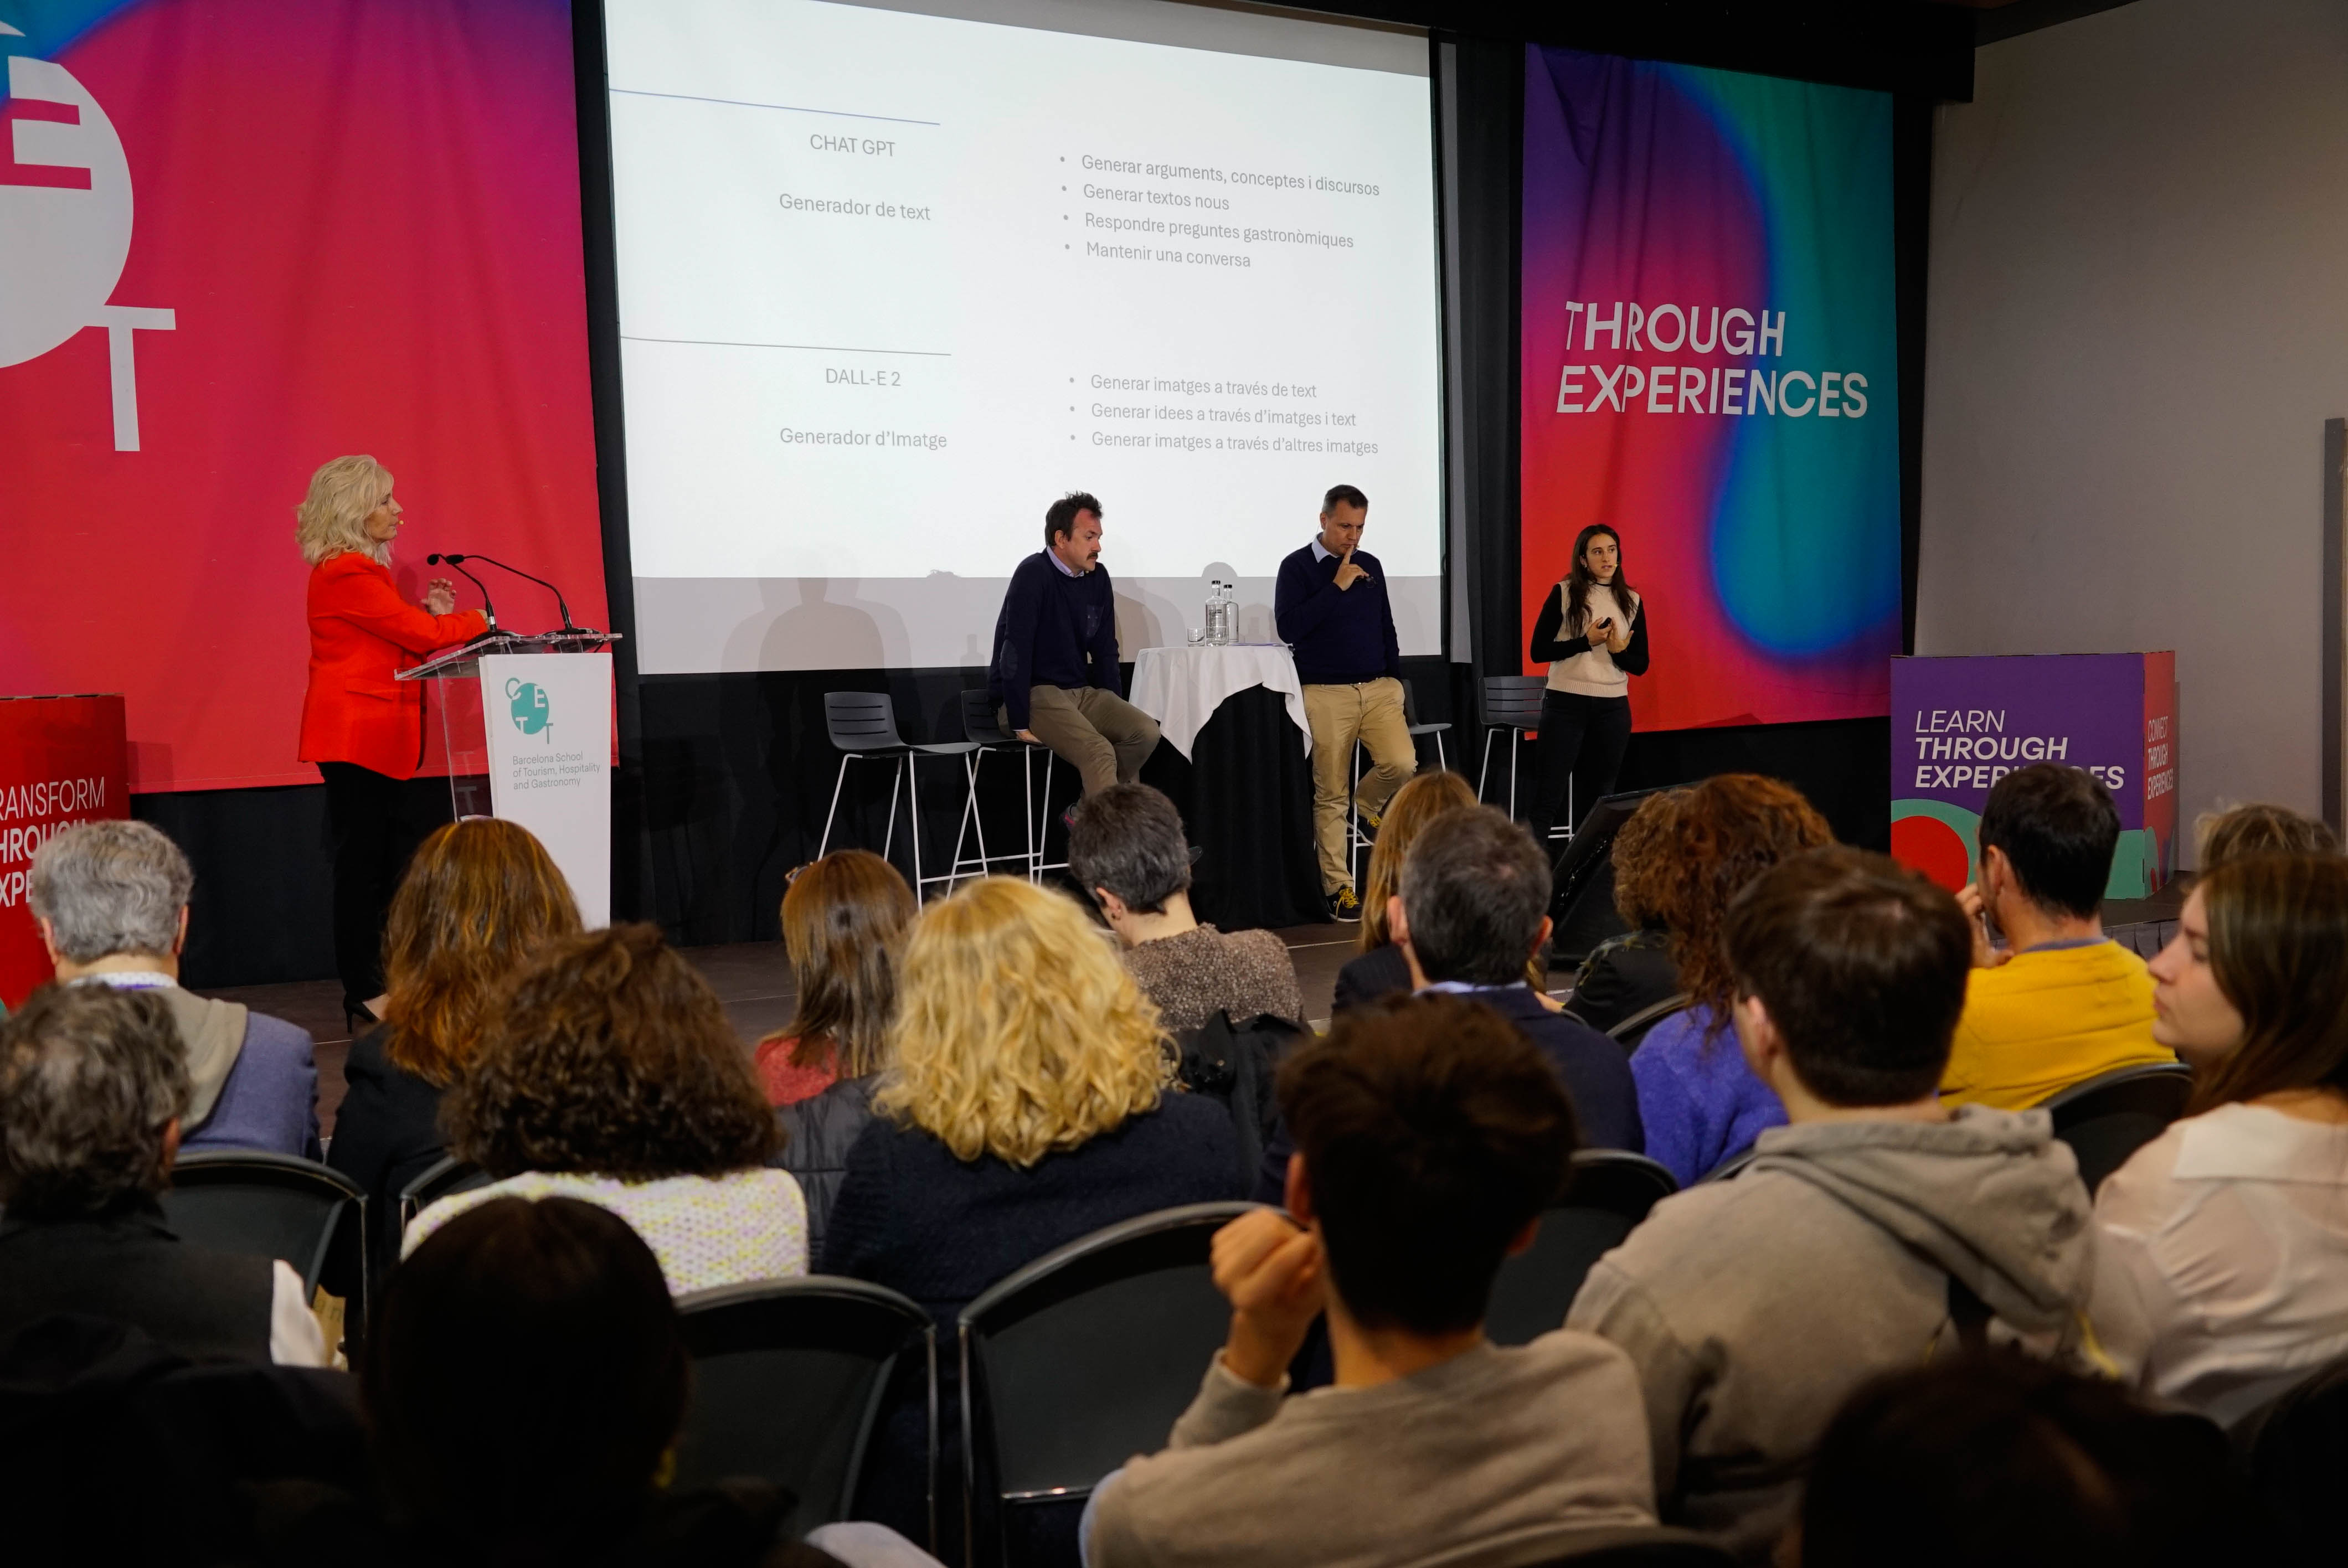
(1053, 676)
(110, 900)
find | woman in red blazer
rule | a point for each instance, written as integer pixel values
(364, 729)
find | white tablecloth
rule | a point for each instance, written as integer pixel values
(1182, 687)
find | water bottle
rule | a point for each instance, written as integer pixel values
(1219, 614)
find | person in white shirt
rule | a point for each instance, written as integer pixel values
(2222, 1274)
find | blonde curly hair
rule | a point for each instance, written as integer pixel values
(331, 519)
(1017, 1031)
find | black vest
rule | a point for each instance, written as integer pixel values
(129, 1267)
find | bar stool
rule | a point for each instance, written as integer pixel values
(1357, 842)
(980, 726)
(1513, 703)
(862, 724)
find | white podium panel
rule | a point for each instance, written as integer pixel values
(548, 723)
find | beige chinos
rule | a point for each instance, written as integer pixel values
(1369, 711)
(1104, 737)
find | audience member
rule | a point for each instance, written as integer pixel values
(1878, 1229)
(1977, 1460)
(1379, 969)
(525, 1385)
(110, 901)
(1699, 1104)
(1632, 972)
(93, 1083)
(1474, 905)
(1430, 1137)
(1029, 1105)
(611, 1075)
(478, 897)
(1126, 847)
(2060, 1002)
(2223, 1265)
(845, 919)
(2258, 829)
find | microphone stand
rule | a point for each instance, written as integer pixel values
(489, 611)
(567, 625)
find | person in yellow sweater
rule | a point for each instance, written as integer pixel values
(2059, 1002)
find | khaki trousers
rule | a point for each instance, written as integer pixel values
(1104, 737)
(1370, 712)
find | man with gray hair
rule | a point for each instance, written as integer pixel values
(110, 900)
(1472, 913)
(92, 1085)
(1126, 847)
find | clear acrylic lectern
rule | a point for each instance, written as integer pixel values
(458, 741)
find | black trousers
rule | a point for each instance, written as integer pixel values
(1581, 739)
(376, 821)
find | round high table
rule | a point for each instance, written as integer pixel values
(1238, 763)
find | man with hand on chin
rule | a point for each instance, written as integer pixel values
(1330, 605)
(1430, 1136)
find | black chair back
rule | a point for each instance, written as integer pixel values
(1731, 1168)
(1512, 702)
(1632, 1029)
(271, 1205)
(1641, 1546)
(789, 1380)
(1074, 1365)
(2297, 1450)
(449, 1175)
(2109, 1117)
(861, 721)
(978, 721)
(1611, 1192)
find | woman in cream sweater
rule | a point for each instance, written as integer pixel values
(1592, 634)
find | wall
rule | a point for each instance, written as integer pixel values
(2136, 329)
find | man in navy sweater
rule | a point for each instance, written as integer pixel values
(1054, 678)
(1331, 607)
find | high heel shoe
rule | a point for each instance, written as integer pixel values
(357, 1018)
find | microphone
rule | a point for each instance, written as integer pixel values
(488, 561)
(487, 609)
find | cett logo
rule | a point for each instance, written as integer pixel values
(65, 228)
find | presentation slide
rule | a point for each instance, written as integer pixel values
(891, 281)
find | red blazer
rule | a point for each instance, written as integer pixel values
(361, 632)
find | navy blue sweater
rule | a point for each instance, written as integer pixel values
(1051, 624)
(1340, 636)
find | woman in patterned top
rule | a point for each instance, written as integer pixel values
(611, 1075)
(1127, 848)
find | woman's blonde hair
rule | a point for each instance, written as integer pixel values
(1420, 801)
(333, 517)
(1017, 1031)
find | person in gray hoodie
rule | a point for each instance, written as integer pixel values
(1875, 1232)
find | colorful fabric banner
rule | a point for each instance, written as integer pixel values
(238, 238)
(1709, 366)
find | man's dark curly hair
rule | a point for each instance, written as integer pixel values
(610, 1056)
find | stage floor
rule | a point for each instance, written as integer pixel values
(750, 979)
